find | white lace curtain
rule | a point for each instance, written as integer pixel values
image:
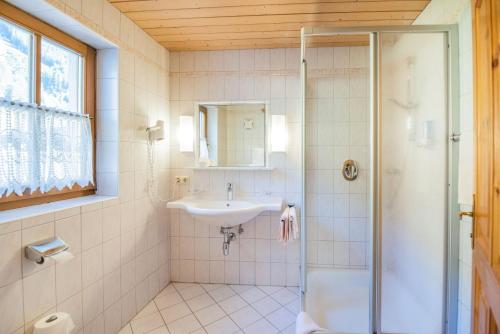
(43, 148)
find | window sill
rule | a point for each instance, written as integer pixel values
(52, 207)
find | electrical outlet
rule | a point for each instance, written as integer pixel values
(182, 179)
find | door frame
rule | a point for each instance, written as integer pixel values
(451, 274)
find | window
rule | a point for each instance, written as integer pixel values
(61, 77)
(15, 62)
(47, 109)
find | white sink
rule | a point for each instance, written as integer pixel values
(224, 213)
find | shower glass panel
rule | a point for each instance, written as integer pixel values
(337, 130)
(380, 252)
(413, 162)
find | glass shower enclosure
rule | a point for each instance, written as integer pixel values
(379, 234)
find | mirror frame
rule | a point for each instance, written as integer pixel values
(267, 141)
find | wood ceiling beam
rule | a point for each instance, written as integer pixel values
(149, 5)
(265, 27)
(316, 8)
(231, 36)
(263, 46)
(270, 19)
(221, 36)
(265, 43)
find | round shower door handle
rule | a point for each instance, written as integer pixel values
(350, 170)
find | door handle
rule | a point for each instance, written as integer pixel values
(461, 214)
(470, 214)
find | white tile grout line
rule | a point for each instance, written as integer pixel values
(210, 296)
(226, 314)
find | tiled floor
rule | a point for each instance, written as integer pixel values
(183, 308)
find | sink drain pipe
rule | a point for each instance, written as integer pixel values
(229, 236)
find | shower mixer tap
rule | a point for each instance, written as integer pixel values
(350, 170)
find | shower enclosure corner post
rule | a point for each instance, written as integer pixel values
(303, 229)
(374, 209)
(453, 234)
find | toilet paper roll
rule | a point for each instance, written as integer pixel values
(55, 323)
(62, 257)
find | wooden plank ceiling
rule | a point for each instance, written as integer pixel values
(182, 25)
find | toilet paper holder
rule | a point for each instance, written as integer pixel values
(40, 250)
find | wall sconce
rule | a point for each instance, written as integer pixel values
(278, 133)
(186, 133)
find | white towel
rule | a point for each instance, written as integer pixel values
(305, 325)
(284, 225)
(289, 229)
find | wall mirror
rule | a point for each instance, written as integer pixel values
(231, 134)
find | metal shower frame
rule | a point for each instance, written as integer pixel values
(452, 228)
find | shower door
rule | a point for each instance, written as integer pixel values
(409, 280)
(413, 181)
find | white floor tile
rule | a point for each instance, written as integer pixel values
(191, 292)
(222, 293)
(199, 302)
(294, 306)
(199, 331)
(284, 296)
(261, 327)
(167, 300)
(172, 313)
(252, 295)
(289, 330)
(184, 325)
(150, 308)
(147, 323)
(210, 314)
(245, 316)
(222, 326)
(266, 305)
(233, 304)
(161, 330)
(189, 308)
(281, 318)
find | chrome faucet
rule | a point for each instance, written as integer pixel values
(229, 192)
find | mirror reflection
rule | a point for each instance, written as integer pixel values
(232, 135)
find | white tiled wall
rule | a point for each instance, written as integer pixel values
(340, 108)
(337, 116)
(239, 75)
(120, 245)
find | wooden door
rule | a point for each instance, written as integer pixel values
(486, 230)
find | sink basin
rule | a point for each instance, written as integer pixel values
(224, 213)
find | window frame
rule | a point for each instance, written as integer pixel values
(41, 29)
